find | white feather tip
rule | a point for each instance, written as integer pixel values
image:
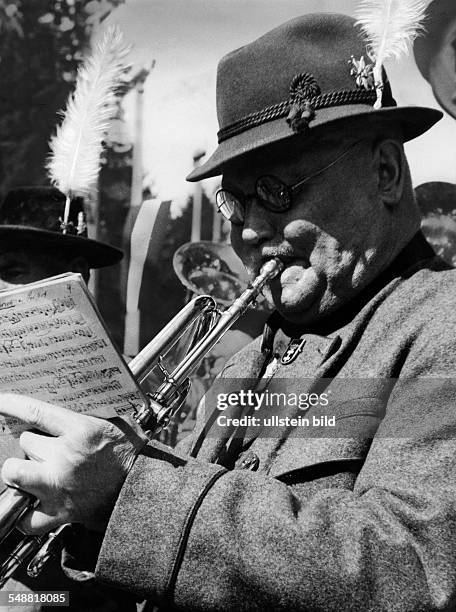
(390, 27)
(75, 149)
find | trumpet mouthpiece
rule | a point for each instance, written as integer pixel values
(272, 268)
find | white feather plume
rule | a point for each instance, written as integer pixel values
(75, 159)
(390, 26)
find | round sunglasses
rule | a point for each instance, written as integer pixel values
(273, 193)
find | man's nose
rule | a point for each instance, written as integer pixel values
(258, 226)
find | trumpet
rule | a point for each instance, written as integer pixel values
(209, 326)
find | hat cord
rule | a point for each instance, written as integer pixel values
(328, 100)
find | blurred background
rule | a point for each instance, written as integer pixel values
(165, 124)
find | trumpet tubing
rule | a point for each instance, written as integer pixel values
(154, 416)
(13, 503)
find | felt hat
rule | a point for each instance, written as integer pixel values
(309, 73)
(435, 52)
(33, 216)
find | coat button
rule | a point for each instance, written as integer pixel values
(249, 461)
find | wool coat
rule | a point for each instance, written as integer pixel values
(358, 518)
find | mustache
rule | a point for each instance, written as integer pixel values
(284, 253)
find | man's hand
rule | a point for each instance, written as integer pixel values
(76, 471)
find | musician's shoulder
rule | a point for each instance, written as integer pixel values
(434, 286)
(428, 286)
(428, 303)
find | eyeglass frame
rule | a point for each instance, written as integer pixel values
(290, 189)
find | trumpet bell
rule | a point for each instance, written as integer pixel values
(207, 268)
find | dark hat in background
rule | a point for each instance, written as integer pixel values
(435, 52)
(437, 201)
(436, 196)
(312, 67)
(33, 216)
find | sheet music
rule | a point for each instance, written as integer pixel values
(53, 346)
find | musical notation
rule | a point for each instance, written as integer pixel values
(54, 346)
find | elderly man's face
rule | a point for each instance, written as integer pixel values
(334, 238)
(22, 266)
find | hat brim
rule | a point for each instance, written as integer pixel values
(414, 120)
(98, 254)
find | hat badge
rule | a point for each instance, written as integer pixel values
(293, 350)
(303, 89)
(363, 73)
(75, 230)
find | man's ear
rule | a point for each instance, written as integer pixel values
(81, 265)
(390, 166)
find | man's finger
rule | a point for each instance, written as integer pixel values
(36, 522)
(39, 415)
(36, 446)
(24, 474)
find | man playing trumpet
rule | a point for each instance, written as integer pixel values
(362, 518)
